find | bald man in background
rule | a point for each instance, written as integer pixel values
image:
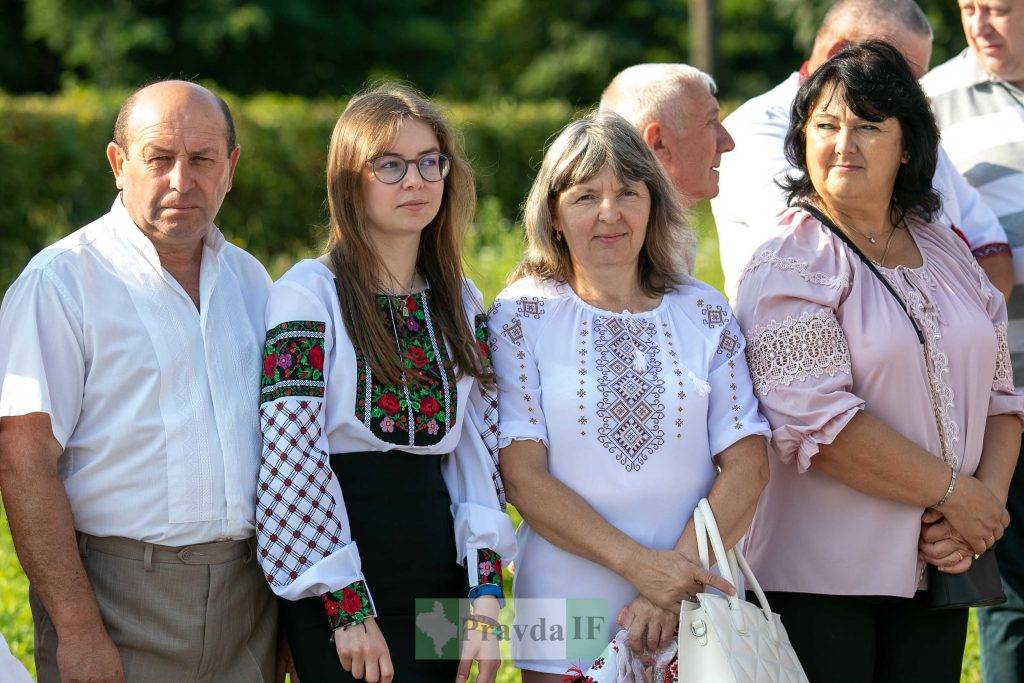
(129, 442)
(747, 207)
(674, 109)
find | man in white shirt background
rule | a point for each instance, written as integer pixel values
(978, 98)
(746, 208)
(129, 443)
(674, 109)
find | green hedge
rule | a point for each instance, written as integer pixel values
(54, 176)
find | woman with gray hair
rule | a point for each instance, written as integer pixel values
(622, 389)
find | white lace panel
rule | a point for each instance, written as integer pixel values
(797, 348)
(1003, 379)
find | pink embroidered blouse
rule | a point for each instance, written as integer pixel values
(825, 340)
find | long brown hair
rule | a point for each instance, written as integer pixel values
(365, 129)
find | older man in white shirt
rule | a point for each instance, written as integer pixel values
(747, 207)
(674, 109)
(129, 441)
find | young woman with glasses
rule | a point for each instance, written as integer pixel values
(378, 476)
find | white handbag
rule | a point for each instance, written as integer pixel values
(727, 639)
(720, 639)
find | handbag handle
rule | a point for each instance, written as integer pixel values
(707, 528)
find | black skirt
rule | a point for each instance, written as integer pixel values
(399, 512)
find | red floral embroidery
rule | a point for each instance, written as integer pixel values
(406, 416)
(350, 605)
(416, 355)
(388, 403)
(429, 407)
(269, 364)
(316, 358)
(350, 601)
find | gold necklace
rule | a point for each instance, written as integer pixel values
(872, 240)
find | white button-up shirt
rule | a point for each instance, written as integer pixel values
(749, 202)
(154, 402)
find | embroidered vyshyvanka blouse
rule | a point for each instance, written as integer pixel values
(826, 340)
(632, 408)
(320, 397)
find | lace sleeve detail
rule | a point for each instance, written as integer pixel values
(796, 348)
(772, 258)
(1003, 379)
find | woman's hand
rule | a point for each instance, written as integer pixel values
(665, 577)
(976, 514)
(650, 627)
(940, 545)
(480, 646)
(363, 652)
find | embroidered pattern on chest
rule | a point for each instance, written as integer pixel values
(416, 413)
(581, 393)
(677, 377)
(631, 387)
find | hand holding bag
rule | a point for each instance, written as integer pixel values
(726, 639)
(720, 639)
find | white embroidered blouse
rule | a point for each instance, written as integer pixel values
(319, 397)
(632, 409)
(826, 340)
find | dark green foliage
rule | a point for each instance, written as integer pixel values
(459, 49)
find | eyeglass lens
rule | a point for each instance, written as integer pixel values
(391, 169)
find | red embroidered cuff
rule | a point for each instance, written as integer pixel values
(350, 605)
(993, 249)
(488, 568)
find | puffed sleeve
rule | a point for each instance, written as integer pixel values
(732, 409)
(484, 535)
(796, 349)
(305, 544)
(516, 374)
(42, 353)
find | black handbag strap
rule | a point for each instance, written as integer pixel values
(827, 222)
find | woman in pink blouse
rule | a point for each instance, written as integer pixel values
(886, 381)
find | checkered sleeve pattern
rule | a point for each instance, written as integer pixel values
(297, 517)
(296, 525)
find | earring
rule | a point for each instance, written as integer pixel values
(905, 159)
(558, 236)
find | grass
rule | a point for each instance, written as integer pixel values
(491, 253)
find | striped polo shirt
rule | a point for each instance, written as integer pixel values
(982, 122)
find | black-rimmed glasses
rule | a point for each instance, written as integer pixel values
(390, 169)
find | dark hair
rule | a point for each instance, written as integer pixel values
(125, 113)
(876, 83)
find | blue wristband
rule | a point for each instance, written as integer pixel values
(487, 589)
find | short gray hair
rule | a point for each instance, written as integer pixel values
(648, 92)
(847, 15)
(580, 151)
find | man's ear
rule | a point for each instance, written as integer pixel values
(652, 135)
(233, 161)
(116, 157)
